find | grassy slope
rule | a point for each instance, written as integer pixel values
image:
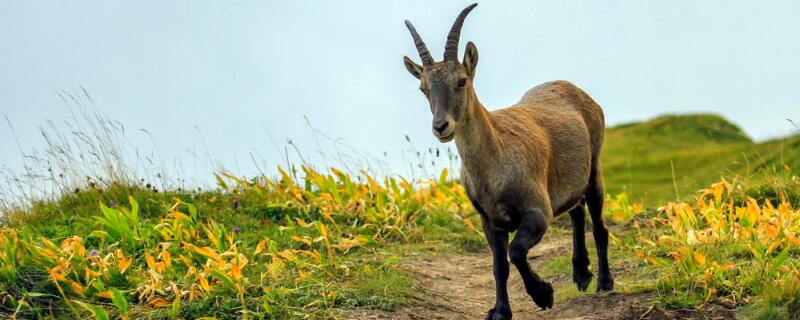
(638, 158)
(359, 278)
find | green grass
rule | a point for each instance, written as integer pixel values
(363, 277)
(639, 158)
(778, 302)
(646, 160)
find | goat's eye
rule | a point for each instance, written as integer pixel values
(423, 90)
(462, 83)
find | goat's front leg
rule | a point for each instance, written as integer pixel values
(530, 232)
(498, 242)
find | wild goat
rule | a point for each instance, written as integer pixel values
(521, 166)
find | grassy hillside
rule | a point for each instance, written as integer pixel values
(310, 244)
(639, 158)
(303, 245)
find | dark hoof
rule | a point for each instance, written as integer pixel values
(499, 314)
(605, 283)
(581, 277)
(543, 297)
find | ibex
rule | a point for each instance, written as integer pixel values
(522, 165)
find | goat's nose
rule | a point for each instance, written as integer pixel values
(441, 127)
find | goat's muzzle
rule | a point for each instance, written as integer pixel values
(443, 130)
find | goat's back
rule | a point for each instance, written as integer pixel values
(557, 95)
(557, 129)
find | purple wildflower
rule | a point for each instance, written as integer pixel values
(237, 229)
(93, 253)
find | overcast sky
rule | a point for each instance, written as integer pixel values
(243, 71)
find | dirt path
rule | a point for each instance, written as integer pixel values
(462, 287)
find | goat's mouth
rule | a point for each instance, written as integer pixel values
(447, 137)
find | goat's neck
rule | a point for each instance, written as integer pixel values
(476, 138)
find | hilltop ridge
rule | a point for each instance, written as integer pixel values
(640, 157)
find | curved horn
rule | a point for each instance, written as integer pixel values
(424, 54)
(451, 47)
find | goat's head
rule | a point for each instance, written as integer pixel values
(447, 84)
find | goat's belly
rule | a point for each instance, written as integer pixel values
(568, 204)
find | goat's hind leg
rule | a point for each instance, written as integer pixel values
(594, 200)
(530, 232)
(581, 275)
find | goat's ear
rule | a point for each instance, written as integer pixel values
(471, 58)
(413, 68)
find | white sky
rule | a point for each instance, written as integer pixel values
(237, 70)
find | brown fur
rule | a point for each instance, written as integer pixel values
(522, 165)
(544, 148)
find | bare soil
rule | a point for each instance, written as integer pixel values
(461, 286)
